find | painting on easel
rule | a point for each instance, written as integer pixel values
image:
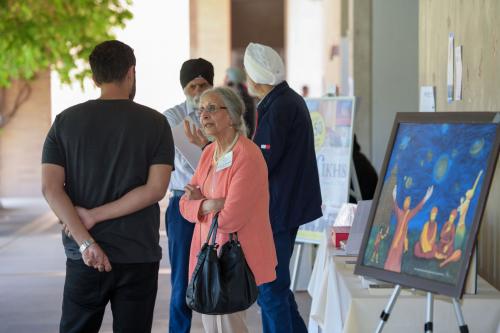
(427, 210)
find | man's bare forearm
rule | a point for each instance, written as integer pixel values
(135, 200)
(62, 206)
(138, 198)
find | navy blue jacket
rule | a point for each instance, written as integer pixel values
(285, 136)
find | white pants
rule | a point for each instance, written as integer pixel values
(230, 323)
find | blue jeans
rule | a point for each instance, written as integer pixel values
(276, 300)
(179, 233)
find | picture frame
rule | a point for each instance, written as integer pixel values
(430, 199)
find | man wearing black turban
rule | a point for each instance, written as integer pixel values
(197, 68)
(196, 76)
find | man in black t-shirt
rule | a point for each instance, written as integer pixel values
(113, 158)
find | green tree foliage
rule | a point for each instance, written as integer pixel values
(57, 34)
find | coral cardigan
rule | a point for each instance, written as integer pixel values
(244, 185)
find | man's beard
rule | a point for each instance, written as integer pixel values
(251, 90)
(131, 95)
(193, 102)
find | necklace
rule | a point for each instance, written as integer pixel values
(217, 155)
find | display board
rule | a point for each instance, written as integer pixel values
(332, 120)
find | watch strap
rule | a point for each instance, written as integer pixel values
(85, 245)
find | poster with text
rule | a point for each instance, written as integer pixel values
(332, 120)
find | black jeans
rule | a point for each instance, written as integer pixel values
(131, 289)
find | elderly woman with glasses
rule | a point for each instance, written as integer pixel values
(231, 178)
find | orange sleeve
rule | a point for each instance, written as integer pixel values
(190, 209)
(247, 185)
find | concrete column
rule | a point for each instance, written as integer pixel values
(394, 68)
(210, 34)
(360, 36)
(335, 28)
(304, 45)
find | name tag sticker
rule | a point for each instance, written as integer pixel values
(225, 162)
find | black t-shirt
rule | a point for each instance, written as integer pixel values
(106, 148)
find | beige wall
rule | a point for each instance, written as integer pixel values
(21, 141)
(210, 34)
(475, 25)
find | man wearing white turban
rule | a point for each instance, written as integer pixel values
(285, 135)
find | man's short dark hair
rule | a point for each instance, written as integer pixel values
(110, 61)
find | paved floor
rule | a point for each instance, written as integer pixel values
(32, 274)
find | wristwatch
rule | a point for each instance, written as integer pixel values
(86, 244)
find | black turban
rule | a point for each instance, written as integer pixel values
(194, 68)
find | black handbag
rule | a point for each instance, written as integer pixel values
(221, 284)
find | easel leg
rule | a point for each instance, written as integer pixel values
(296, 265)
(384, 316)
(460, 317)
(429, 313)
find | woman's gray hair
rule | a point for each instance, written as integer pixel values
(233, 103)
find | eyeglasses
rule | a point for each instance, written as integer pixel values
(211, 108)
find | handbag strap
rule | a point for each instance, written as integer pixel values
(235, 235)
(212, 232)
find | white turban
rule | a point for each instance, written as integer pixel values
(263, 64)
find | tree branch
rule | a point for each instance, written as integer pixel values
(6, 114)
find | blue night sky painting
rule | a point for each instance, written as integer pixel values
(449, 157)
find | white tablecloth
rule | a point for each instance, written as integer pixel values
(341, 305)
